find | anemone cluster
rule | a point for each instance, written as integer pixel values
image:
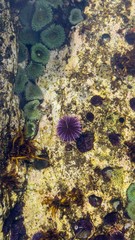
(45, 26)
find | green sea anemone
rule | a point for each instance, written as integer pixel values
(27, 36)
(75, 16)
(131, 210)
(18, 3)
(30, 129)
(55, 3)
(31, 110)
(20, 81)
(42, 16)
(40, 54)
(131, 192)
(33, 92)
(53, 37)
(25, 14)
(34, 70)
(23, 52)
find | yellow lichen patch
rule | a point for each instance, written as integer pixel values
(118, 178)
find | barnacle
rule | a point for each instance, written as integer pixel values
(53, 37)
(40, 54)
(33, 92)
(23, 52)
(34, 70)
(20, 81)
(42, 15)
(75, 16)
(27, 36)
(31, 110)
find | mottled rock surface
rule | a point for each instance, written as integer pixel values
(10, 117)
(95, 63)
(72, 77)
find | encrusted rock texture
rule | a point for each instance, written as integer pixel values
(11, 118)
(72, 77)
(92, 64)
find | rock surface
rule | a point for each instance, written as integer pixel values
(57, 195)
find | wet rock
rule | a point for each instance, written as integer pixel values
(85, 142)
(107, 173)
(95, 201)
(82, 228)
(96, 100)
(117, 236)
(110, 218)
(130, 38)
(90, 116)
(132, 103)
(114, 138)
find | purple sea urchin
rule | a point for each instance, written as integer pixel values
(85, 141)
(68, 128)
(38, 236)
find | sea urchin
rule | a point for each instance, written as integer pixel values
(68, 128)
